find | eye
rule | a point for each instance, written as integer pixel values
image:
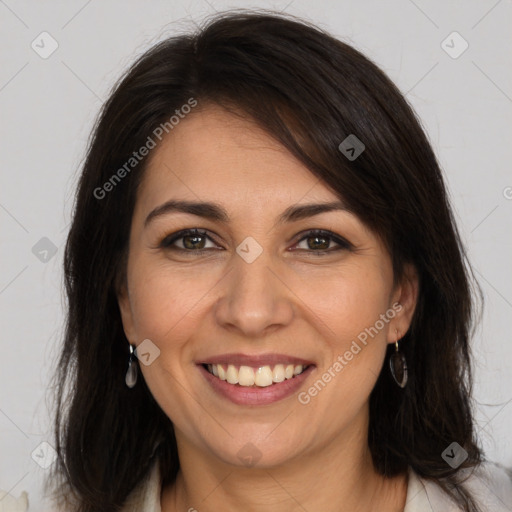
(193, 240)
(318, 241)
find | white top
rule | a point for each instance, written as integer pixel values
(490, 485)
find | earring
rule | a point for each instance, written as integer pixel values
(398, 366)
(131, 374)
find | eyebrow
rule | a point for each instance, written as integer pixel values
(216, 212)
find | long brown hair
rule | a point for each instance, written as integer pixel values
(310, 91)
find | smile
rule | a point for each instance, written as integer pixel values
(247, 376)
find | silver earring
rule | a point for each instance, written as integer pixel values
(398, 366)
(131, 374)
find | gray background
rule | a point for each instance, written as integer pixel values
(48, 107)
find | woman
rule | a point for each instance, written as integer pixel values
(269, 302)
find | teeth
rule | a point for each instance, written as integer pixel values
(278, 373)
(263, 376)
(246, 376)
(232, 375)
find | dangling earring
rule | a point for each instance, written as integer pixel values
(398, 365)
(131, 374)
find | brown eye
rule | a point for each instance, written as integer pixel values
(193, 240)
(320, 240)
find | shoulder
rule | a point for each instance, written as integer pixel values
(489, 484)
(11, 504)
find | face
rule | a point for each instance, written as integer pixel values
(256, 290)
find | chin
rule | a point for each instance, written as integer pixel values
(257, 452)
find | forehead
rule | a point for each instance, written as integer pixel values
(214, 154)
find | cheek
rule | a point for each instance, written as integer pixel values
(342, 303)
(164, 303)
(355, 335)
(351, 301)
(163, 300)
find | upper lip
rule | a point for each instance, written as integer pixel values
(254, 360)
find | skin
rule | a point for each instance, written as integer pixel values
(294, 302)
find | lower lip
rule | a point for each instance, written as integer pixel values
(244, 395)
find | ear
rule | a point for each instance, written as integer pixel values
(406, 294)
(123, 300)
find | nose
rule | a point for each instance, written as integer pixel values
(255, 298)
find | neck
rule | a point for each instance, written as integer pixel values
(340, 474)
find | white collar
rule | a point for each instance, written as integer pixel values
(489, 484)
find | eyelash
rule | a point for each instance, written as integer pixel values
(167, 242)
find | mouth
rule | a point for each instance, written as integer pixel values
(255, 377)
